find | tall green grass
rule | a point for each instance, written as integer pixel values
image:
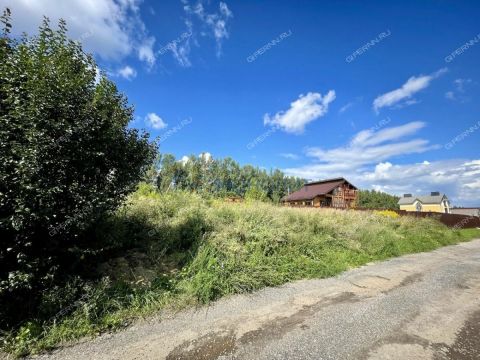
(177, 249)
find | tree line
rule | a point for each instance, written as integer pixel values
(220, 177)
(226, 177)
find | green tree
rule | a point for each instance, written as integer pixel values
(372, 199)
(166, 172)
(223, 177)
(255, 193)
(152, 173)
(66, 157)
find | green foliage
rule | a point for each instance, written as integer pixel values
(254, 193)
(66, 158)
(178, 249)
(222, 177)
(372, 199)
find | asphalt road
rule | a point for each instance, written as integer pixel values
(423, 306)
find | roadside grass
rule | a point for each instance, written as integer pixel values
(178, 249)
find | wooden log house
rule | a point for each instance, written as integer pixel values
(332, 193)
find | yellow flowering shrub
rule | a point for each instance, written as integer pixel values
(388, 213)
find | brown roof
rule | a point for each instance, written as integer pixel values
(313, 189)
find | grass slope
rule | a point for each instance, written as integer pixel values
(178, 249)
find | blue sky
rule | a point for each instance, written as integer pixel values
(383, 93)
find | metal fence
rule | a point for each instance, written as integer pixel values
(456, 221)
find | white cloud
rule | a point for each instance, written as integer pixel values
(407, 103)
(345, 107)
(406, 91)
(145, 51)
(213, 24)
(354, 157)
(450, 95)
(458, 93)
(457, 178)
(371, 137)
(111, 29)
(302, 111)
(98, 75)
(370, 145)
(367, 162)
(155, 121)
(217, 21)
(289, 156)
(366, 148)
(181, 52)
(460, 84)
(205, 156)
(127, 72)
(184, 159)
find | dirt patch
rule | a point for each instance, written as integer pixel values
(401, 342)
(462, 286)
(277, 328)
(467, 342)
(213, 345)
(410, 279)
(207, 347)
(134, 267)
(466, 346)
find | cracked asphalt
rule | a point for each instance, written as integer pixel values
(421, 306)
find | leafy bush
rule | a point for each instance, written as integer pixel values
(66, 158)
